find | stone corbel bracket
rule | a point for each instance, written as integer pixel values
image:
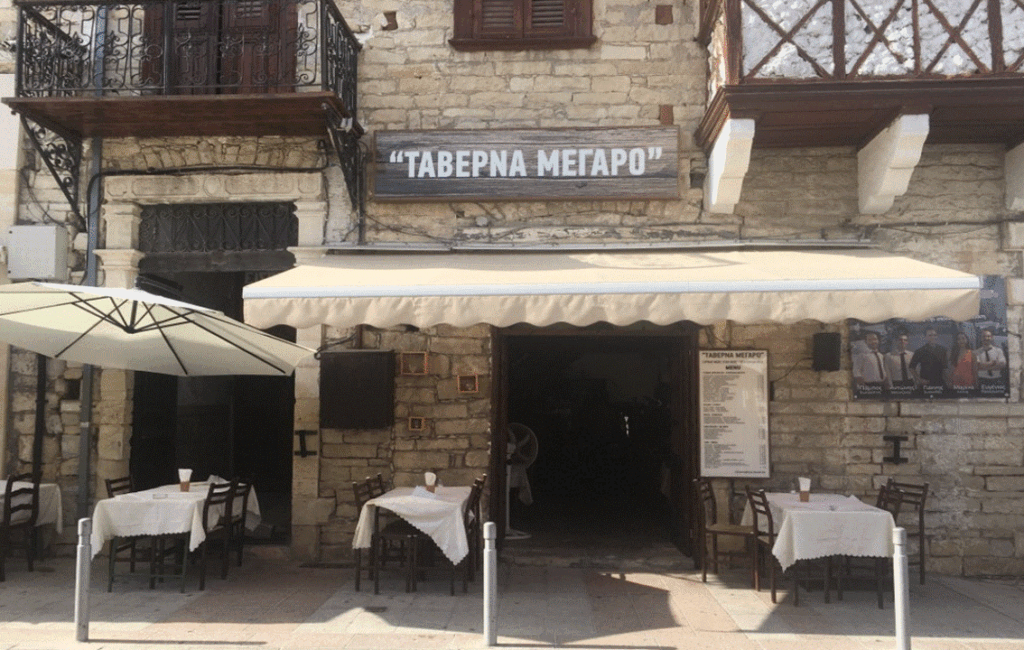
(885, 165)
(1015, 178)
(728, 164)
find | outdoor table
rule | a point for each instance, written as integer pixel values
(827, 525)
(50, 508)
(437, 514)
(164, 510)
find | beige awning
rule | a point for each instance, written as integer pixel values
(624, 287)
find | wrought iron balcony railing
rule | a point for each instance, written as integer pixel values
(98, 48)
(847, 40)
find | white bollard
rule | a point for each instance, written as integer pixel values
(490, 583)
(901, 588)
(82, 578)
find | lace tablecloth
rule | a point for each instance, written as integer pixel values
(438, 515)
(50, 508)
(829, 524)
(165, 510)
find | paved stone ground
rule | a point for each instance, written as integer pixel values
(272, 603)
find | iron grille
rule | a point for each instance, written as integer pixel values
(207, 227)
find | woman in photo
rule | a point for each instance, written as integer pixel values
(963, 371)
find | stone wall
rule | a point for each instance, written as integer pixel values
(971, 453)
(410, 78)
(454, 439)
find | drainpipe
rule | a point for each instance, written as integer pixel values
(86, 393)
(92, 240)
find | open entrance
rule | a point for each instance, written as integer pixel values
(612, 414)
(230, 426)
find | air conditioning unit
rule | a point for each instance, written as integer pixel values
(38, 252)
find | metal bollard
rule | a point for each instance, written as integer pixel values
(491, 583)
(901, 588)
(82, 578)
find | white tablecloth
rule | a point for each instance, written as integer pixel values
(829, 524)
(51, 510)
(164, 510)
(438, 515)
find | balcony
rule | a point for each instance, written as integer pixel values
(837, 72)
(191, 68)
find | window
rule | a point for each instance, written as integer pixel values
(522, 24)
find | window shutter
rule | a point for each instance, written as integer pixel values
(498, 18)
(547, 16)
(522, 24)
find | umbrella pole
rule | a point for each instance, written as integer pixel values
(85, 394)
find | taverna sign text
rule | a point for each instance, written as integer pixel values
(640, 163)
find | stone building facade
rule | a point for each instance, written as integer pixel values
(646, 69)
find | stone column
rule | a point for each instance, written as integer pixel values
(120, 267)
(309, 511)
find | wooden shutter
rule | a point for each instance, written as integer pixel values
(500, 18)
(548, 17)
(189, 46)
(259, 52)
(522, 24)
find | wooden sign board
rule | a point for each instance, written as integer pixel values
(734, 413)
(527, 165)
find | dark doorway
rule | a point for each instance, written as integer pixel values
(228, 426)
(615, 452)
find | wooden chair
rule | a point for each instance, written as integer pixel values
(20, 511)
(914, 497)
(217, 526)
(709, 529)
(378, 485)
(239, 515)
(119, 545)
(764, 538)
(889, 499)
(474, 527)
(395, 539)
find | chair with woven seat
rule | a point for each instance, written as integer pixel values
(20, 511)
(709, 530)
(913, 500)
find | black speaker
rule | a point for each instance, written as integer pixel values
(827, 347)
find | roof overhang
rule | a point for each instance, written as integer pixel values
(621, 288)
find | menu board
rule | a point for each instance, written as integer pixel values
(734, 413)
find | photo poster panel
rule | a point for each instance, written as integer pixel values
(944, 359)
(734, 414)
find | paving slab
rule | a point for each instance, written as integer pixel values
(272, 603)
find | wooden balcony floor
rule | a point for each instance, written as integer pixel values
(813, 114)
(283, 114)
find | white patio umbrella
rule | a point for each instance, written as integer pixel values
(136, 330)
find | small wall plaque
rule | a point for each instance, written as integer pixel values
(413, 363)
(468, 384)
(417, 424)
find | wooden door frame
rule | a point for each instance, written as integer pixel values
(683, 345)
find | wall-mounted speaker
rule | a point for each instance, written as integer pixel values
(827, 349)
